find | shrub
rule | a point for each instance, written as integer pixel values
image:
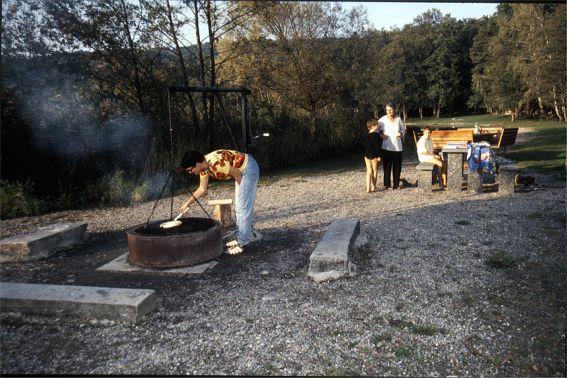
(115, 189)
(140, 192)
(16, 200)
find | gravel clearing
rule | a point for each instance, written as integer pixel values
(445, 285)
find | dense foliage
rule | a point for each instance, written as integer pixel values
(84, 83)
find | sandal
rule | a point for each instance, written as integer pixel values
(235, 250)
(232, 243)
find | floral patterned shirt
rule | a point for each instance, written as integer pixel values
(220, 162)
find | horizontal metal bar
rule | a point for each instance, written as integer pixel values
(209, 89)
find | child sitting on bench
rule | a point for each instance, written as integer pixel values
(425, 155)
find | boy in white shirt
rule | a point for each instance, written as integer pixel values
(425, 154)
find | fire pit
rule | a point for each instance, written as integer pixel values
(195, 241)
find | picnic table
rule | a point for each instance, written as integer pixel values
(455, 156)
(498, 137)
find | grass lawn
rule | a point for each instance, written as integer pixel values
(544, 152)
(484, 120)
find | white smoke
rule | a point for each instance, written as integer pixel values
(63, 120)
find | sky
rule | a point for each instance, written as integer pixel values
(389, 15)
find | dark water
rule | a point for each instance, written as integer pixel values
(187, 226)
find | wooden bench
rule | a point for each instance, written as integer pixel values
(441, 137)
(222, 211)
(489, 134)
(492, 130)
(507, 138)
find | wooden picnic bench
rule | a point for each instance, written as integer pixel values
(498, 137)
(441, 137)
(507, 138)
(488, 134)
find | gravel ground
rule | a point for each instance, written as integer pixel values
(445, 285)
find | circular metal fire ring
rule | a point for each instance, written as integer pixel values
(195, 241)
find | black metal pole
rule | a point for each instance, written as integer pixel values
(244, 121)
(208, 90)
(248, 122)
(226, 121)
(172, 166)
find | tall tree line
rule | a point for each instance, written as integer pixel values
(94, 74)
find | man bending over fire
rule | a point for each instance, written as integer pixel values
(222, 165)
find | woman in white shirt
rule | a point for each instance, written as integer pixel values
(425, 154)
(393, 130)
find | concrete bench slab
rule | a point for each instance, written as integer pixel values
(42, 243)
(425, 166)
(425, 176)
(127, 305)
(330, 259)
(121, 264)
(507, 179)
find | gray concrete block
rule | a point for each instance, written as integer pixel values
(332, 251)
(42, 243)
(507, 184)
(425, 166)
(455, 172)
(425, 176)
(127, 305)
(333, 274)
(474, 183)
(425, 180)
(121, 264)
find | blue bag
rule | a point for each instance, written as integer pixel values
(480, 157)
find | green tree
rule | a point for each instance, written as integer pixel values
(422, 33)
(540, 56)
(296, 44)
(113, 30)
(479, 55)
(507, 87)
(443, 65)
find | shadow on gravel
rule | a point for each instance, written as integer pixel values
(282, 253)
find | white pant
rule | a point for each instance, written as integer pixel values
(244, 197)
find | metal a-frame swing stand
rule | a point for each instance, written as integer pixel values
(244, 92)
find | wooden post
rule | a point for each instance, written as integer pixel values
(223, 212)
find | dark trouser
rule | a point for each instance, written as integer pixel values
(392, 159)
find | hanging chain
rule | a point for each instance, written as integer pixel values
(199, 203)
(159, 197)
